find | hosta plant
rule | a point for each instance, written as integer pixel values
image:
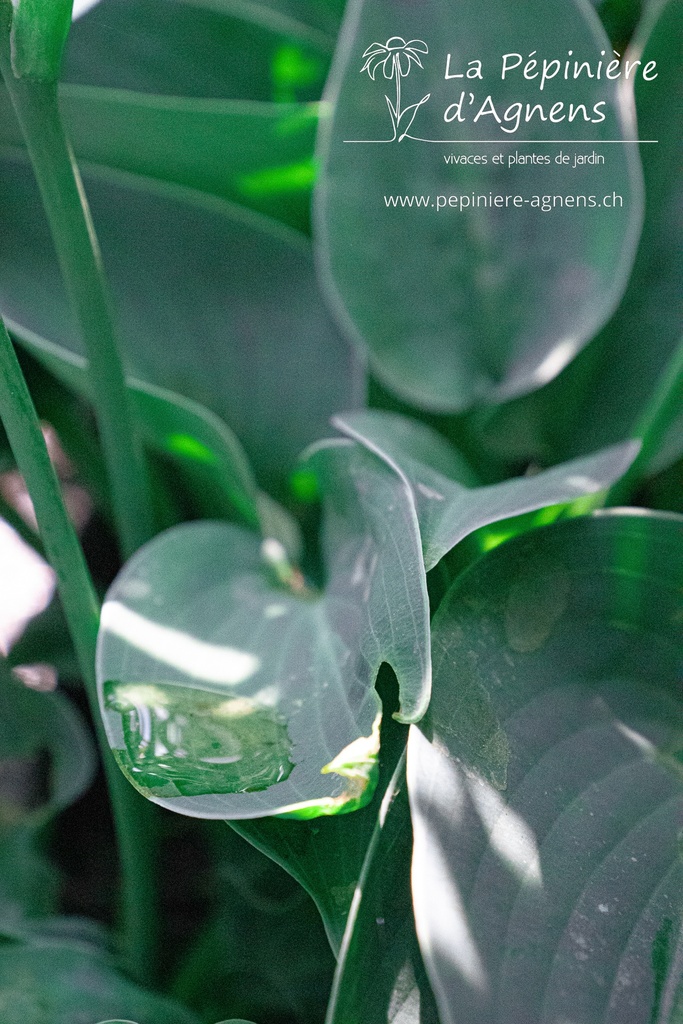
(368, 642)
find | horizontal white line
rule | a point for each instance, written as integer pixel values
(519, 142)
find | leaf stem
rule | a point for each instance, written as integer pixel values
(664, 407)
(397, 69)
(37, 109)
(81, 608)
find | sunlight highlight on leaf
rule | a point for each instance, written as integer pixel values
(293, 69)
(206, 607)
(304, 485)
(565, 876)
(273, 180)
(200, 660)
(185, 444)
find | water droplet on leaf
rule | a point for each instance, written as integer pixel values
(184, 741)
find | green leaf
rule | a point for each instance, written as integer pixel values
(230, 690)
(448, 504)
(620, 18)
(259, 155)
(46, 763)
(65, 985)
(204, 448)
(207, 295)
(604, 393)
(236, 670)
(380, 977)
(201, 49)
(460, 305)
(545, 784)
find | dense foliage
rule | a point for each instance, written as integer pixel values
(379, 583)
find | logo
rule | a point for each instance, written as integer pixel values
(396, 57)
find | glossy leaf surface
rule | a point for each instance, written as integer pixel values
(379, 964)
(230, 690)
(215, 304)
(600, 397)
(208, 699)
(448, 504)
(479, 302)
(545, 784)
(63, 984)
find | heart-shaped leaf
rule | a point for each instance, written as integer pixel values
(459, 291)
(545, 783)
(285, 676)
(229, 690)
(220, 307)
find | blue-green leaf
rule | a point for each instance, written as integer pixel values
(231, 690)
(600, 398)
(454, 303)
(545, 783)
(258, 155)
(380, 977)
(214, 303)
(211, 642)
(448, 504)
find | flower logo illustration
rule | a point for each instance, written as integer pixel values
(396, 57)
